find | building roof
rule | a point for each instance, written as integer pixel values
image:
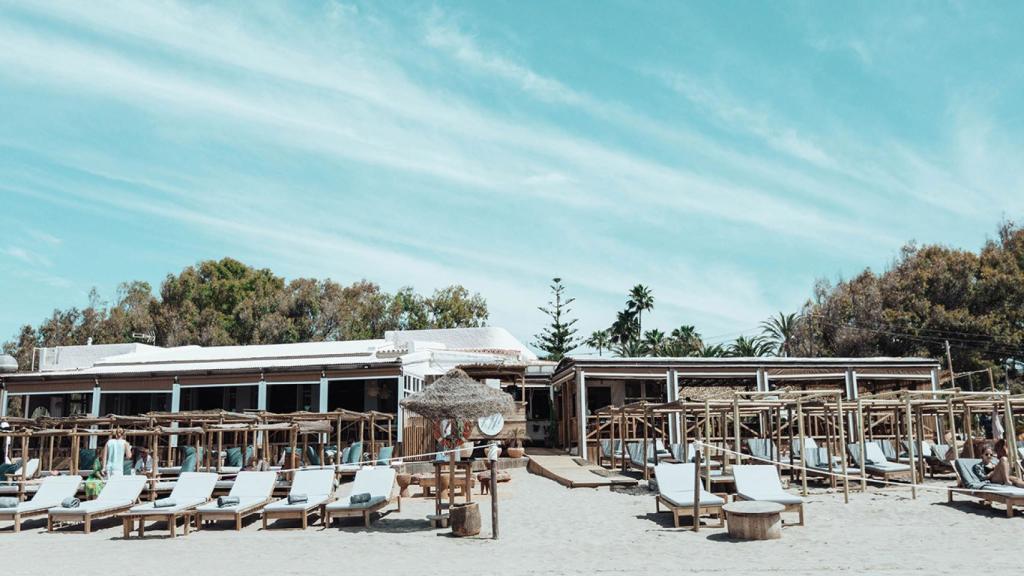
(431, 349)
(486, 339)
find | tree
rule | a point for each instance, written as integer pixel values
(750, 347)
(929, 294)
(686, 341)
(712, 351)
(600, 340)
(226, 302)
(779, 330)
(640, 300)
(629, 349)
(654, 342)
(625, 328)
(559, 337)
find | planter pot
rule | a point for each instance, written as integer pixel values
(515, 451)
(465, 519)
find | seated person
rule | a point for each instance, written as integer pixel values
(143, 462)
(996, 470)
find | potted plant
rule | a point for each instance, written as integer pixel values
(515, 446)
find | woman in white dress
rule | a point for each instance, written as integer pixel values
(115, 453)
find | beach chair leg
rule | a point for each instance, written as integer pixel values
(172, 525)
(305, 520)
(366, 518)
(186, 521)
(87, 525)
(17, 523)
(126, 527)
(1009, 510)
(264, 520)
(675, 517)
(657, 506)
(49, 523)
(801, 523)
(142, 526)
(238, 522)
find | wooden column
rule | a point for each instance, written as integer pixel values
(803, 446)
(842, 446)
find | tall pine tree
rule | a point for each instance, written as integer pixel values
(559, 337)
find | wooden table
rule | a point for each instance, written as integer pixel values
(754, 520)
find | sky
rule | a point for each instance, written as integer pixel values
(725, 154)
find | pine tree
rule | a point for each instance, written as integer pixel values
(558, 338)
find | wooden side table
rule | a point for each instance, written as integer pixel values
(754, 520)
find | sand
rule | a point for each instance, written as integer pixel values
(549, 529)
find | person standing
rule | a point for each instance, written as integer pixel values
(115, 452)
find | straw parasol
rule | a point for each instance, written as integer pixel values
(457, 396)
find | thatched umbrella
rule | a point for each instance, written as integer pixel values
(456, 396)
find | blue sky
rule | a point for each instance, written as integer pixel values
(726, 154)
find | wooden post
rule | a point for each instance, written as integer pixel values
(736, 427)
(803, 445)
(220, 449)
(842, 447)
(863, 446)
(920, 436)
(647, 475)
(707, 455)
(696, 486)
(1010, 433)
(828, 445)
(494, 499)
(952, 427)
(908, 415)
(24, 464)
(968, 432)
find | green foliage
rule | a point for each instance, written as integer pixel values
(753, 347)
(930, 294)
(599, 340)
(779, 331)
(559, 337)
(226, 302)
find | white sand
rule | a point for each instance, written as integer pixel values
(549, 529)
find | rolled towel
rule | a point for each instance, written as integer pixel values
(361, 498)
(297, 498)
(70, 502)
(225, 501)
(164, 503)
(8, 502)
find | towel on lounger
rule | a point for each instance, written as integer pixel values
(70, 502)
(297, 498)
(8, 502)
(225, 501)
(164, 503)
(361, 498)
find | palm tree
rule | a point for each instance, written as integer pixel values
(780, 331)
(600, 340)
(688, 339)
(654, 342)
(711, 351)
(625, 327)
(750, 347)
(631, 348)
(641, 300)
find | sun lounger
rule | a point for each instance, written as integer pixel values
(763, 450)
(254, 490)
(635, 451)
(52, 491)
(17, 484)
(119, 494)
(816, 461)
(761, 483)
(611, 450)
(691, 454)
(318, 488)
(875, 463)
(676, 483)
(968, 484)
(191, 490)
(378, 482)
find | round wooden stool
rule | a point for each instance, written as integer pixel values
(752, 520)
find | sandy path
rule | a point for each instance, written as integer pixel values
(548, 529)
